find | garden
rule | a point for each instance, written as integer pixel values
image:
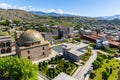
(59, 65)
(86, 55)
(105, 68)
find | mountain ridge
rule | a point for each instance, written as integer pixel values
(49, 14)
(117, 16)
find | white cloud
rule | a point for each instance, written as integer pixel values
(60, 11)
(30, 8)
(5, 6)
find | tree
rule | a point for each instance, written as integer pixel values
(110, 70)
(89, 50)
(92, 75)
(105, 75)
(100, 59)
(18, 69)
(96, 64)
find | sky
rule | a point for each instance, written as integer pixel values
(92, 8)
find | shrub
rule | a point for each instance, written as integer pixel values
(92, 44)
(105, 75)
(77, 39)
(107, 61)
(55, 37)
(92, 75)
(118, 67)
(110, 70)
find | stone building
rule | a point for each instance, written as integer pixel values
(5, 44)
(47, 36)
(65, 32)
(32, 45)
(62, 32)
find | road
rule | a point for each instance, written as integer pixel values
(80, 74)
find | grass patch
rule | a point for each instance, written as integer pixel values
(107, 63)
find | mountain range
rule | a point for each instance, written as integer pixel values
(57, 14)
(108, 17)
(16, 14)
(49, 14)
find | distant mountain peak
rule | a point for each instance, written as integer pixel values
(49, 14)
(117, 16)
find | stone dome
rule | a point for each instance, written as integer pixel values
(30, 36)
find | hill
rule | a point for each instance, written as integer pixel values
(54, 19)
(15, 14)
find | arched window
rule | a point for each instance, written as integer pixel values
(8, 44)
(43, 48)
(28, 57)
(2, 51)
(43, 53)
(8, 50)
(2, 44)
(28, 52)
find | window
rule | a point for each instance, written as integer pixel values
(43, 48)
(28, 51)
(43, 53)
(8, 44)
(28, 57)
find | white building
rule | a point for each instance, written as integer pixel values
(74, 51)
(64, 76)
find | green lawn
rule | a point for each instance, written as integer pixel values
(113, 63)
(62, 66)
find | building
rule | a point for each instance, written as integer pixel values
(5, 44)
(62, 32)
(65, 32)
(74, 51)
(32, 45)
(47, 36)
(64, 76)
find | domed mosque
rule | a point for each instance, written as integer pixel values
(32, 45)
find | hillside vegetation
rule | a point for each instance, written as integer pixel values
(77, 21)
(16, 15)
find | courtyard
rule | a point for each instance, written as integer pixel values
(57, 65)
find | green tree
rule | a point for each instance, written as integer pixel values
(18, 69)
(110, 70)
(92, 75)
(105, 75)
(89, 50)
(96, 64)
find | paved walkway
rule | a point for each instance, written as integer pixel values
(80, 73)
